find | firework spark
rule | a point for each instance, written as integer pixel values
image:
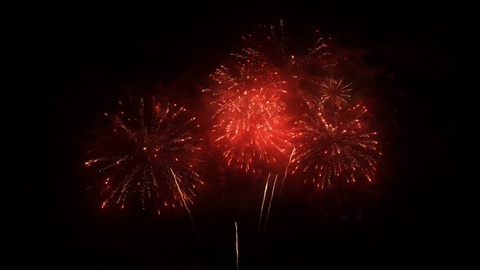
(336, 146)
(249, 121)
(297, 60)
(326, 92)
(147, 151)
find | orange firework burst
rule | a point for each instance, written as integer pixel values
(147, 150)
(336, 146)
(249, 122)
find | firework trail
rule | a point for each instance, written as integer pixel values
(286, 170)
(184, 203)
(336, 146)
(272, 192)
(250, 121)
(270, 202)
(236, 244)
(135, 150)
(263, 203)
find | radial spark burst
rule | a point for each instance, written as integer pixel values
(249, 121)
(336, 146)
(328, 91)
(146, 152)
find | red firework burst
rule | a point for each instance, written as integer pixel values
(146, 150)
(249, 121)
(336, 146)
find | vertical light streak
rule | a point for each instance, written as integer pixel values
(270, 202)
(236, 242)
(183, 199)
(263, 202)
(286, 170)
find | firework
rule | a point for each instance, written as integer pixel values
(249, 119)
(328, 91)
(147, 152)
(297, 60)
(236, 244)
(306, 64)
(272, 192)
(336, 146)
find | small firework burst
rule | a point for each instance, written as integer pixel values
(336, 146)
(328, 91)
(146, 151)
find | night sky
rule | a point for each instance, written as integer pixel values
(414, 61)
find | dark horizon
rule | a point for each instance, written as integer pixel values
(415, 212)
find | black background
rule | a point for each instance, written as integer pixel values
(78, 58)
